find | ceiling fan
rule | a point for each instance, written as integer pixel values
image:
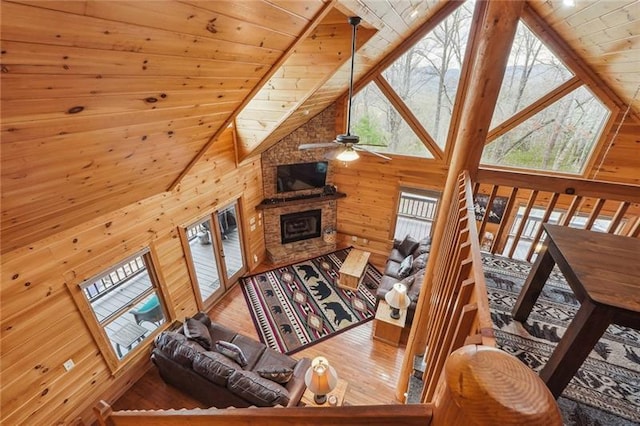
(347, 142)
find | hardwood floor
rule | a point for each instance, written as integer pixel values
(371, 367)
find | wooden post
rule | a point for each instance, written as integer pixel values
(495, 24)
(485, 386)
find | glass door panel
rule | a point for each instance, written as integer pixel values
(231, 238)
(202, 245)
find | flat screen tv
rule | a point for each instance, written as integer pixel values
(296, 177)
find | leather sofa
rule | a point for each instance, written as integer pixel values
(194, 363)
(414, 254)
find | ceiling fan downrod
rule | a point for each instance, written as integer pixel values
(354, 21)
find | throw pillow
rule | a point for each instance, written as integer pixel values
(277, 374)
(407, 246)
(198, 332)
(405, 267)
(231, 351)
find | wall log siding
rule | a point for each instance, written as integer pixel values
(106, 104)
(35, 387)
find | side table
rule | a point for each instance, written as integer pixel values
(338, 392)
(385, 328)
(127, 336)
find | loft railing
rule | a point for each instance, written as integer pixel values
(458, 311)
(471, 394)
(524, 202)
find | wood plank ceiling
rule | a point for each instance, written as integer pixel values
(105, 103)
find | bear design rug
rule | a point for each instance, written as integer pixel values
(298, 305)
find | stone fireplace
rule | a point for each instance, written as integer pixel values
(302, 215)
(300, 226)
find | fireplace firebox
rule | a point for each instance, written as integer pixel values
(300, 226)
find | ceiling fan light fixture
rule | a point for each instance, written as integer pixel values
(348, 155)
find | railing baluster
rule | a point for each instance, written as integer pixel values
(503, 223)
(617, 217)
(525, 217)
(593, 216)
(545, 218)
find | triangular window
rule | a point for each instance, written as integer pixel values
(381, 128)
(426, 77)
(532, 71)
(559, 138)
(545, 118)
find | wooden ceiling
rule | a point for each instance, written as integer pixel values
(105, 103)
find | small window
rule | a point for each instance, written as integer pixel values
(125, 302)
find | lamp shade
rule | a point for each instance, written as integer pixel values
(397, 297)
(320, 378)
(348, 154)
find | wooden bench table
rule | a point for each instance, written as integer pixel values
(352, 269)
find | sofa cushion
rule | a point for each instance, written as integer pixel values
(177, 348)
(198, 332)
(419, 262)
(220, 332)
(392, 269)
(257, 390)
(405, 267)
(408, 281)
(407, 246)
(414, 290)
(280, 375)
(396, 256)
(386, 282)
(271, 359)
(231, 351)
(424, 246)
(252, 349)
(215, 367)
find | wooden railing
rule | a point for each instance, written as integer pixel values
(471, 394)
(530, 200)
(459, 307)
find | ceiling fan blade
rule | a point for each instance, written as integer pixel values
(361, 148)
(317, 145)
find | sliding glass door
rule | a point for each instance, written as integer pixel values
(215, 252)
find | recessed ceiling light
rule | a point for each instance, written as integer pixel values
(414, 13)
(569, 3)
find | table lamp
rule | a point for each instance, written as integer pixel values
(397, 299)
(321, 379)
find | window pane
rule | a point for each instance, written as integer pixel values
(126, 305)
(379, 124)
(559, 138)
(204, 261)
(426, 77)
(532, 71)
(231, 242)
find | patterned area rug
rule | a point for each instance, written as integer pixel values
(606, 389)
(300, 304)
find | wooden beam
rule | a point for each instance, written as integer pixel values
(308, 30)
(561, 185)
(408, 116)
(498, 22)
(548, 99)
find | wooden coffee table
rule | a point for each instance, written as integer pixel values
(352, 269)
(604, 273)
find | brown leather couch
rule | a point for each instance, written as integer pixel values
(218, 381)
(404, 250)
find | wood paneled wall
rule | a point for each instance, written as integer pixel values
(41, 325)
(621, 153)
(372, 187)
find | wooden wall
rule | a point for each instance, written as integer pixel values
(621, 153)
(41, 325)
